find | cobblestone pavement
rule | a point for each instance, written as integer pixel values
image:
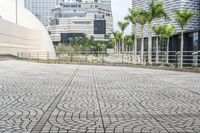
(96, 99)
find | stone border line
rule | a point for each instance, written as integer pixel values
(98, 101)
(41, 123)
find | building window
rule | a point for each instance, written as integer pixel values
(195, 41)
(82, 22)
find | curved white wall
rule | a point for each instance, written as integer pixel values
(26, 22)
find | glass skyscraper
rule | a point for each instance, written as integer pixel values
(41, 8)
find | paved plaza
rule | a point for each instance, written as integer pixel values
(51, 98)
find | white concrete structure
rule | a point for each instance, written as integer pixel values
(28, 35)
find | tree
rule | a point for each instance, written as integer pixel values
(123, 25)
(62, 49)
(142, 20)
(133, 18)
(119, 40)
(115, 40)
(169, 32)
(156, 11)
(183, 17)
(133, 38)
(103, 47)
(159, 31)
(129, 39)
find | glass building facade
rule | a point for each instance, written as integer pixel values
(41, 9)
(191, 32)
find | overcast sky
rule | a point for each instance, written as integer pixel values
(120, 10)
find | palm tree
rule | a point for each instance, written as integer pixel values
(115, 40)
(183, 17)
(159, 31)
(118, 39)
(129, 39)
(142, 20)
(169, 32)
(156, 11)
(133, 18)
(133, 38)
(123, 25)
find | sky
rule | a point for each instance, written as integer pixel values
(120, 10)
(21, 2)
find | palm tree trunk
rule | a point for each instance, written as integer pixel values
(150, 44)
(135, 45)
(167, 60)
(115, 48)
(118, 47)
(182, 45)
(135, 32)
(142, 46)
(157, 53)
(123, 48)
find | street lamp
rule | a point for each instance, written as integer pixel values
(16, 11)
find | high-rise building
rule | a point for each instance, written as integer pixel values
(41, 8)
(170, 6)
(106, 2)
(191, 32)
(77, 18)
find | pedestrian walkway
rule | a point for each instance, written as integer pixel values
(96, 99)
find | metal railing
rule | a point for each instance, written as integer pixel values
(171, 58)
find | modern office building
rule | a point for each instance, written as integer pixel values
(41, 8)
(192, 34)
(77, 18)
(106, 2)
(21, 31)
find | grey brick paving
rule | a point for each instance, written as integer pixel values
(97, 99)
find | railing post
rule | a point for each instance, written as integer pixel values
(176, 61)
(195, 58)
(38, 56)
(122, 58)
(103, 58)
(70, 57)
(29, 56)
(18, 55)
(47, 56)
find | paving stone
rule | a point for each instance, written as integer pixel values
(96, 99)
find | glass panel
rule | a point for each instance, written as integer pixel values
(195, 41)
